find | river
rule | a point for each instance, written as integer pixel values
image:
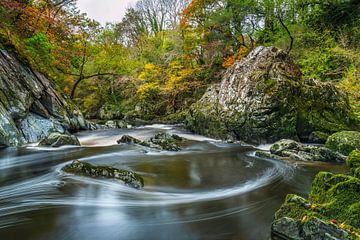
(209, 190)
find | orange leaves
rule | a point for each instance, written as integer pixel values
(229, 61)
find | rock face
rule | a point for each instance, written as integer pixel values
(264, 98)
(30, 108)
(58, 140)
(81, 168)
(162, 141)
(302, 152)
(344, 142)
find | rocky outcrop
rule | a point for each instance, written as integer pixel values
(344, 142)
(332, 211)
(30, 108)
(81, 168)
(59, 139)
(161, 141)
(264, 98)
(291, 150)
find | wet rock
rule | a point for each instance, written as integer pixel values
(166, 141)
(161, 141)
(286, 228)
(344, 142)
(35, 127)
(312, 229)
(81, 168)
(263, 98)
(292, 150)
(59, 139)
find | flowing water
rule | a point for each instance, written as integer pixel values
(209, 190)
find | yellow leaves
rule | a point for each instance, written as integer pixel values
(148, 90)
(166, 81)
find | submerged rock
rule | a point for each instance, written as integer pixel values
(292, 150)
(162, 141)
(59, 139)
(344, 142)
(264, 98)
(81, 168)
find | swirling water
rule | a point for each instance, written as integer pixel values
(209, 190)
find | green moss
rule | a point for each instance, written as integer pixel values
(344, 142)
(337, 197)
(353, 160)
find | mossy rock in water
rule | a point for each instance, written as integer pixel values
(297, 219)
(166, 141)
(344, 142)
(59, 139)
(81, 168)
(292, 150)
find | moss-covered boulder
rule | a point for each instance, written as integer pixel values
(332, 211)
(291, 150)
(81, 168)
(59, 139)
(264, 98)
(344, 142)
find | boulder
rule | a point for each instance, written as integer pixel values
(161, 141)
(312, 229)
(167, 141)
(292, 150)
(81, 168)
(332, 211)
(344, 142)
(59, 139)
(263, 98)
(30, 108)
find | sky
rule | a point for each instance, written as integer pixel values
(105, 10)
